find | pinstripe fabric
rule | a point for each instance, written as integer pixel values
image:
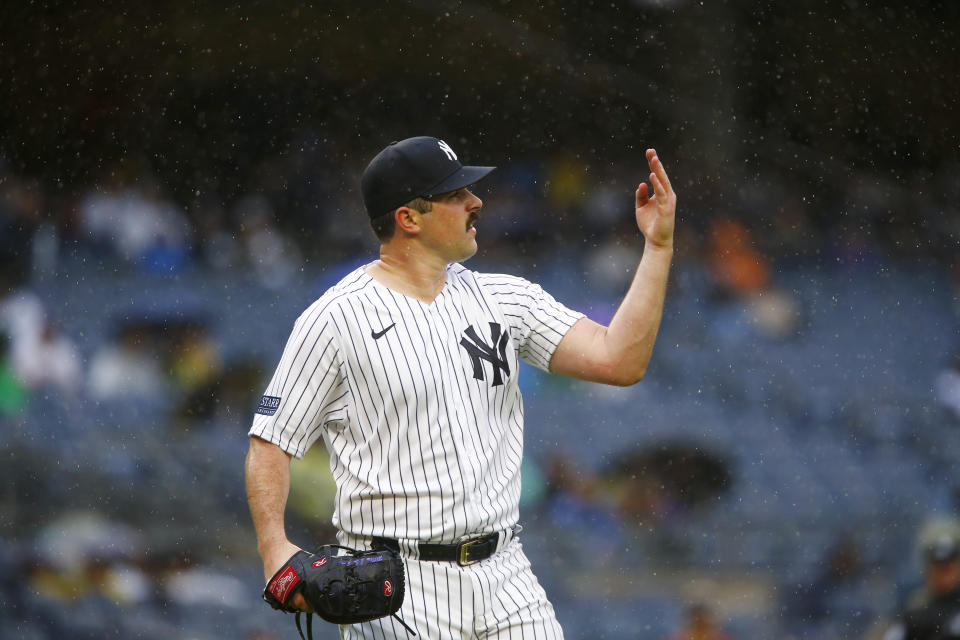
(497, 599)
(418, 404)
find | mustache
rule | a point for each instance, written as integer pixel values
(471, 220)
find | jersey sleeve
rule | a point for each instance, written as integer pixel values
(537, 321)
(307, 390)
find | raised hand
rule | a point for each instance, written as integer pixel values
(656, 211)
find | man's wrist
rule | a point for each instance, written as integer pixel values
(659, 247)
(271, 545)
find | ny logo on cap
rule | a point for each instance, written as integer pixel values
(447, 150)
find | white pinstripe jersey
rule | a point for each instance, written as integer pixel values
(418, 404)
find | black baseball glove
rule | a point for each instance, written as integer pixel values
(344, 589)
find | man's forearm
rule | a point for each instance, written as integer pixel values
(632, 332)
(268, 484)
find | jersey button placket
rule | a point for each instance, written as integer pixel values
(468, 456)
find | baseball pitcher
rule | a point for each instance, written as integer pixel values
(407, 371)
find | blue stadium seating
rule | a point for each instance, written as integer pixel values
(833, 432)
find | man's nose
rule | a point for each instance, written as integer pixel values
(475, 203)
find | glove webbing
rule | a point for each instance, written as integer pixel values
(310, 625)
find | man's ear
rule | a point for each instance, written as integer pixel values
(407, 219)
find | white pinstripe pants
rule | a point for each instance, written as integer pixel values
(496, 598)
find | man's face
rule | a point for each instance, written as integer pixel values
(943, 577)
(448, 228)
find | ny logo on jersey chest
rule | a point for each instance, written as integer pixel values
(479, 351)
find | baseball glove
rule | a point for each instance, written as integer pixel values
(344, 589)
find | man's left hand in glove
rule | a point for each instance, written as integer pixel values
(344, 589)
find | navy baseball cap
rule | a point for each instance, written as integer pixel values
(419, 167)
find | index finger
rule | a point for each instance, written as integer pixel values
(654, 160)
(642, 195)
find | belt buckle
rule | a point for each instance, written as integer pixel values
(464, 548)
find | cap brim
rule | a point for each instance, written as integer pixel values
(464, 177)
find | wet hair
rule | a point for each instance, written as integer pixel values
(385, 225)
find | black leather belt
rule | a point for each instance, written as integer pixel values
(463, 553)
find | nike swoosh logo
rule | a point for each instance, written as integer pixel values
(379, 334)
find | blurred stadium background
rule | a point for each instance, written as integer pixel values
(178, 181)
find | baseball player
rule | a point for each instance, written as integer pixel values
(936, 616)
(407, 370)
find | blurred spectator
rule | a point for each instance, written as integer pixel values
(71, 539)
(566, 183)
(226, 397)
(52, 361)
(948, 387)
(788, 232)
(219, 247)
(945, 522)
(667, 479)
(515, 217)
(700, 624)
(129, 366)
(21, 205)
(570, 499)
(194, 360)
(935, 615)
(83, 564)
(611, 201)
(611, 266)
(832, 598)
(48, 581)
(41, 355)
(312, 494)
(129, 214)
(573, 496)
(933, 534)
(122, 581)
(273, 256)
(93, 576)
(642, 500)
(736, 267)
(775, 312)
(13, 395)
(741, 273)
(190, 585)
